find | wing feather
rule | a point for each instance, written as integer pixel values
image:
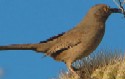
(52, 38)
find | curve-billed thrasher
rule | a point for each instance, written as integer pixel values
(77, 42)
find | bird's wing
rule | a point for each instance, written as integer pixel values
(52, 38)
(64, 42)
(60, 47)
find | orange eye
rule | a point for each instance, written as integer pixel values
(106, 9)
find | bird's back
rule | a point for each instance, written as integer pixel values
(76, 43)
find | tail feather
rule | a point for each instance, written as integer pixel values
(19, 47)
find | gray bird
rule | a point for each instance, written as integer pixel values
(77, 42)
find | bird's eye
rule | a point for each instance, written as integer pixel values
(106, 9)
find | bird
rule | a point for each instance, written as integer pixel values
(76, 43)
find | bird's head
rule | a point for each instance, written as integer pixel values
(100, 12)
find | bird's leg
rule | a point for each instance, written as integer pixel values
(72, 70)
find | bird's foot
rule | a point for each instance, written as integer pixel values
(73, 73)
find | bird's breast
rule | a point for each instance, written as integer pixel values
(92, 39)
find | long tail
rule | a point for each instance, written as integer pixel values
(19, 47)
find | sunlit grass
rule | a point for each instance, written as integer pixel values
(104, 64)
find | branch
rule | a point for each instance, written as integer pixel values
(120, 5)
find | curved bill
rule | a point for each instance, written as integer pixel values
(116, 10)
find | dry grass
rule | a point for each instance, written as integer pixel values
(105, 64)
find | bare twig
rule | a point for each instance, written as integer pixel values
(116, 3)
(120, 5)
(123, 2)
